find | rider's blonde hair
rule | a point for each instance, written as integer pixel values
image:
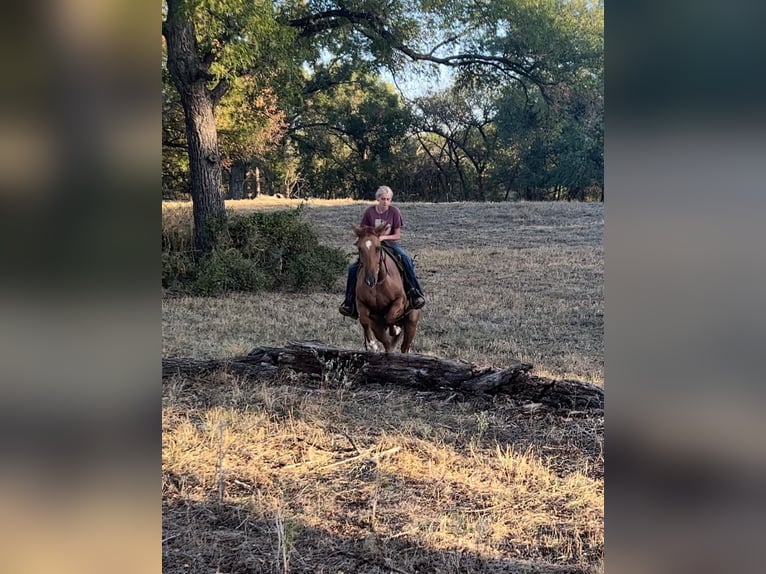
(383, 189)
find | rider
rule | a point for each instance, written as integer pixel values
(384, 212)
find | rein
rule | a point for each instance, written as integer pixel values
(383, 262)
(382, 265)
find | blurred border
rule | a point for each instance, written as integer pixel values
(80, 337)
(685, 264)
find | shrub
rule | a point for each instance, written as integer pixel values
(225, 270)
(178, 270)
(275, 250)
(321, 267)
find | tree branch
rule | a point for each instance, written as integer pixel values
(375, 28)
(220, 90)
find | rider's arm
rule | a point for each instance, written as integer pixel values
(395, 236)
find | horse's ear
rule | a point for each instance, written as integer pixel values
(380, 228)
(359, 231)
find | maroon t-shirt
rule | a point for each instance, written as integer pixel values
(392, 216)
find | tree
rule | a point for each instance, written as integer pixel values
(549, 54)
(191, 73)
(249, 123)
(210, 43)
(175, 159)
(348, 137)
(460, 123)
(555, 135)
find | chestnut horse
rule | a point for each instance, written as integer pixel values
(380, 298)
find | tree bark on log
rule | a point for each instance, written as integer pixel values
(422, 372)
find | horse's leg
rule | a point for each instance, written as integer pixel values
(370, 344)
(381, 332)
(395, 332)
(410, 327)
(396, 309)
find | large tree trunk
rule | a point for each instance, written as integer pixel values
(204, 166)
(411, 370)
(190, 76)
(237, 179)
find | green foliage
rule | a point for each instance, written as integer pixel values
(350, 137)
(175, 158)
(259, 251)
(178, 270)
(226, 269)
(243, 36)
(306, 103)
(558, 144)
(175, 173)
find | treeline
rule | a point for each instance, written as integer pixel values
(289, 97)
(458, 144)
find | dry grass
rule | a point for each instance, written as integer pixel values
(503, 281)
(294, 476)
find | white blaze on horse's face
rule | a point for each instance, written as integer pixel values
(371, 270)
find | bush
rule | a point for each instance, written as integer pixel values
(319, 268)
(226, 270)
(276, 250)
(178, 270)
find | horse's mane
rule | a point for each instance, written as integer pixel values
(366, 230)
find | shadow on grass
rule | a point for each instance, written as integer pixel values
(229, 538)
(236, 528)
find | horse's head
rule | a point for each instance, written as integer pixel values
(370, 252)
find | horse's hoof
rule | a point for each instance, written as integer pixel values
(372, 346)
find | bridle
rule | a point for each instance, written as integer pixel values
(382, 265)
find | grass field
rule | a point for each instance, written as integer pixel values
(298, 476)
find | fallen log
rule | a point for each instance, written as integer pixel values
(423, 372)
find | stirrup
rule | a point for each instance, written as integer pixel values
(347, 311)
(417, 301)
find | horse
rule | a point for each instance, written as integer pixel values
(380, 298)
